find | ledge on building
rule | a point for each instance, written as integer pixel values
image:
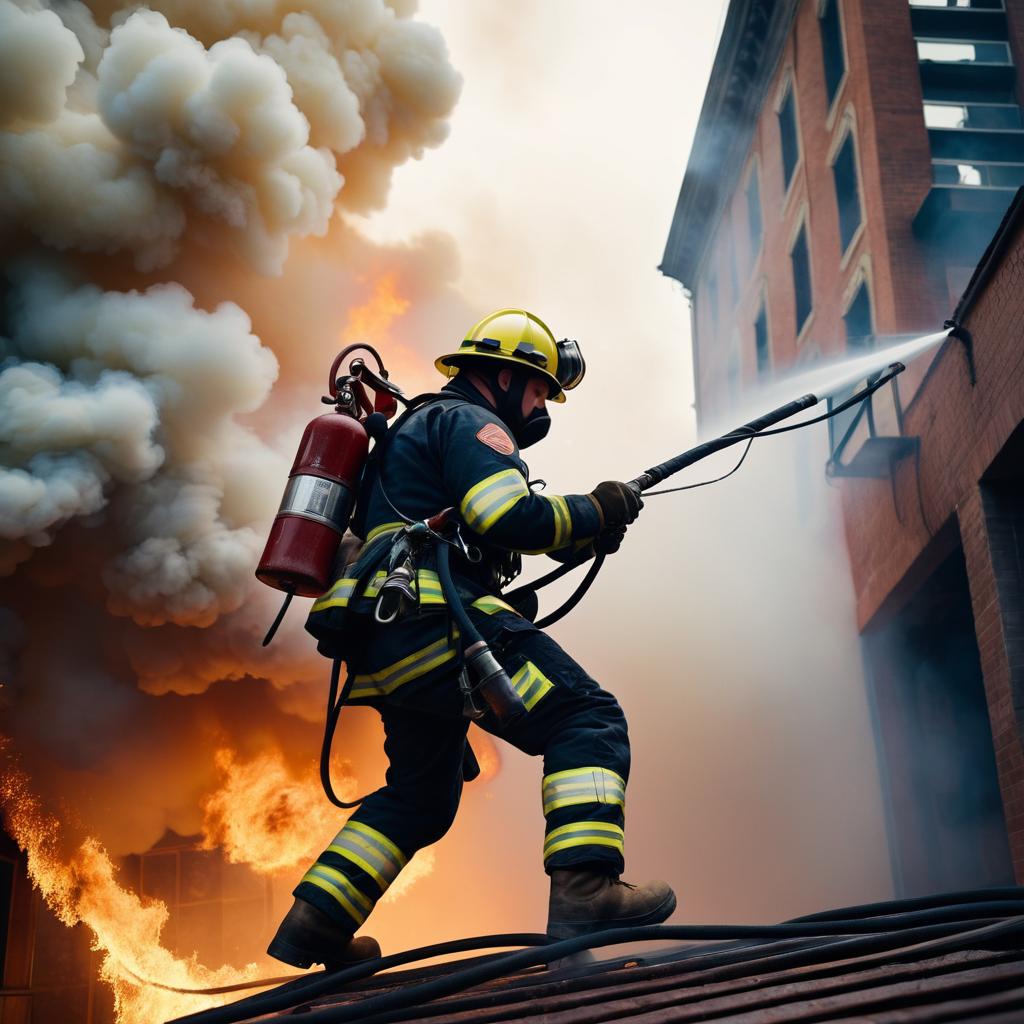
(961, 217)
(959, 22)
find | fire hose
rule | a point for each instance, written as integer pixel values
(748, 432)
(880, 932)
(492, 681)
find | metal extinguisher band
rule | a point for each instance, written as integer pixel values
(317, 498)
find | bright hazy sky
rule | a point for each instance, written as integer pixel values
(560, 177)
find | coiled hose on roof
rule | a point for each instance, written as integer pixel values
(936, 924)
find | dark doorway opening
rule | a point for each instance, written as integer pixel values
(946, 825)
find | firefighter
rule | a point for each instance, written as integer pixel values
(462, 451)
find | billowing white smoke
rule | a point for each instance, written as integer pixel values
(142, 456)
(130, 129)
(128, 400)
(117, 142)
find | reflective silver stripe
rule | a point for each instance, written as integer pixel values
(370, 850)
(486, 502)
(337, 597)
(584, 833)
(314, 497)
(330, 880)
(531, 684)
(583, 786)
(415, 665)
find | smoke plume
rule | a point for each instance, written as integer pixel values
(255, 121)
(177, 278)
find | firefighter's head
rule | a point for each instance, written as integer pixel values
(517, 356)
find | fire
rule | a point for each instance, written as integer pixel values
(372, 320)
(267, 818)
(271, 820)
(262, 815)
(125, 929)
(487, 754)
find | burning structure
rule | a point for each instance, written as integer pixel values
(848, 182)
(159, 164)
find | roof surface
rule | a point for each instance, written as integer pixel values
(955, 957)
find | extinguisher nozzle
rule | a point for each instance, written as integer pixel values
(280, 616)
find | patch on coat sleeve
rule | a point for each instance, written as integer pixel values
(494, 437)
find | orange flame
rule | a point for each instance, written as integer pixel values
(125, 929)
(262, 816)
(265, 817)
(372, 320)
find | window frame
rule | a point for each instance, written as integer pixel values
(801, 226)
(956, 162)
(761, 311)
(924, 6)
(967, 42)
(926, 102)
(787, 89)
(861, 276)
(753, 177)
(847, 130)
(832, 102)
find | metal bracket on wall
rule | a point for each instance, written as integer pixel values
(958, 331)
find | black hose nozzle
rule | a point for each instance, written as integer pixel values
(658, 473)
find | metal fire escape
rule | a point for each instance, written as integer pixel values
(974, 123)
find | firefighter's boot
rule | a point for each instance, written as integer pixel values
(308, 936)
(584, 901)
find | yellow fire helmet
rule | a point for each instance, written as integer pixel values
(521, 339)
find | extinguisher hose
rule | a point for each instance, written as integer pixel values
(470, 634)
(334, 706)
(288, 595)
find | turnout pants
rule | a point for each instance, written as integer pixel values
(578, 729)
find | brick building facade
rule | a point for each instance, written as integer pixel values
(853, 162)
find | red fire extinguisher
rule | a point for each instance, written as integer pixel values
(321, 491)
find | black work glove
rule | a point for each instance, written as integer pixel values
(617, 502)
(608, 543)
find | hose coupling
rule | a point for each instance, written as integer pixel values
(493, 683)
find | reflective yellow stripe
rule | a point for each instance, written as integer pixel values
(584, 833)
(486, 502)
(371, 850)
(531, 684)
(400, 858)
(333, 882)
(583, 786)
(563, 522)
(337, 597)
(388, 679)
(562, 533)
(428, 585)
(383, 528)
(492, 605)
(372, 588)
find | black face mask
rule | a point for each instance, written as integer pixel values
(527, 430)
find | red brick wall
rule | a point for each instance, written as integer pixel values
(962, 429)
(882, 89)
(996, 598)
